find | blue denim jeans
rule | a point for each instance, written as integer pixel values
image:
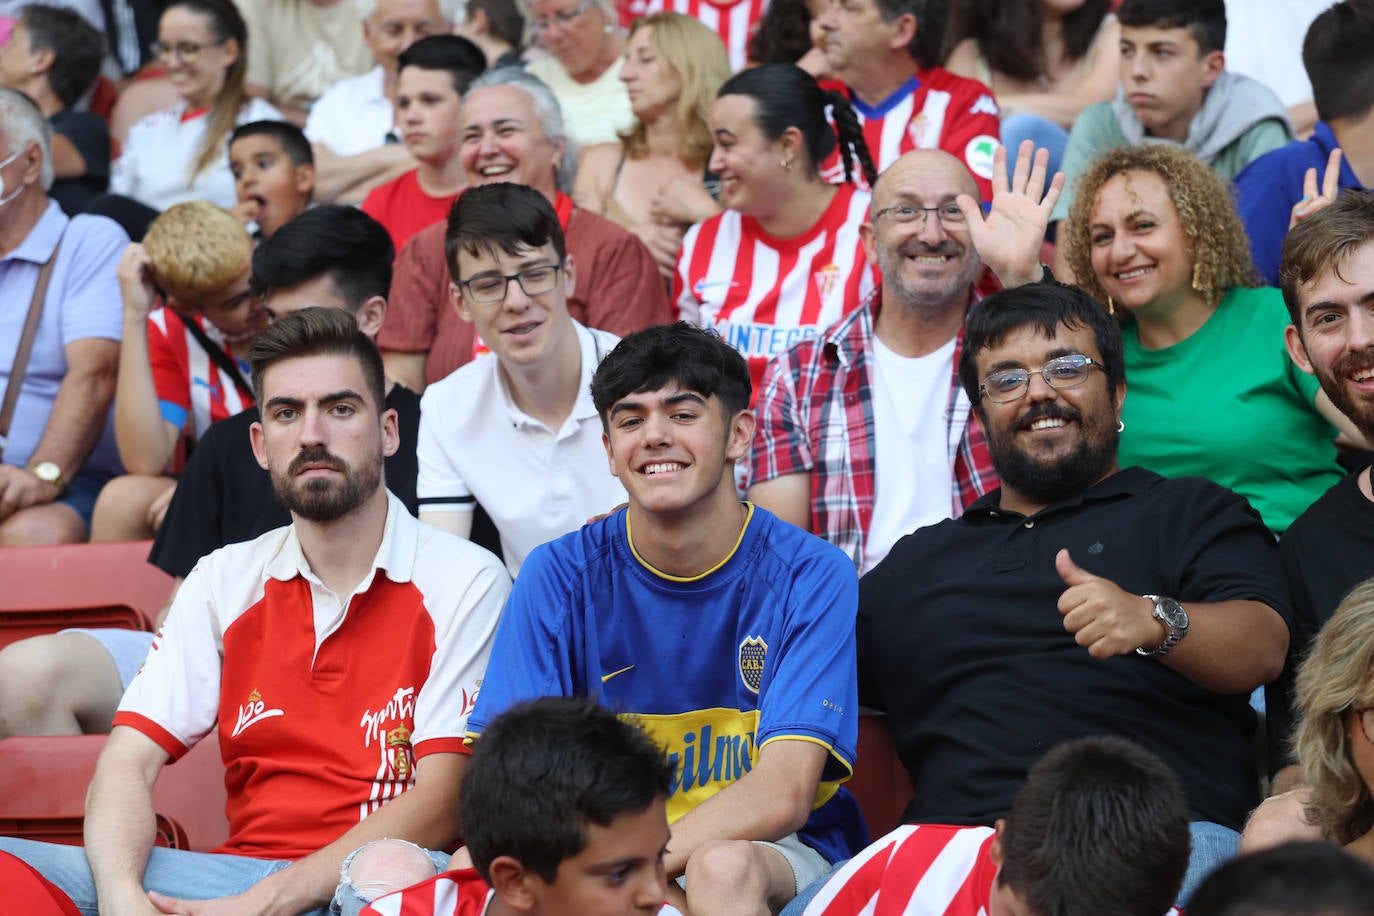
(175, 872)
(1213, 844)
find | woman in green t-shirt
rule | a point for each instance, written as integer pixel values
(1153, 233)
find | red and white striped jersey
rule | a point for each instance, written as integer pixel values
(934, 110)
(454, 893)
(763, 294)
(192, 390)
(916, 869)
(732, 20)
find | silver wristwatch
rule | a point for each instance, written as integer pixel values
(1175, 619)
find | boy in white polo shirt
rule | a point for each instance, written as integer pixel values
(515, 429)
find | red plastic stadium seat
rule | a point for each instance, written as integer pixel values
(78, 585)
(43, 790)
(880, 783)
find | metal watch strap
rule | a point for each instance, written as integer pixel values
(1172, 637)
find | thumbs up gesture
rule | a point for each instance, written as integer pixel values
(1104, 619)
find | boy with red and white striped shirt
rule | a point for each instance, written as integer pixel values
(1101, 826)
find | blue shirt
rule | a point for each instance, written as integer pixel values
(713, 668)
(83, 301)
(1269, 187)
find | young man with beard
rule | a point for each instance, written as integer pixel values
(1327, 278)
(863, 432)
(1078, 599)
(340, 656)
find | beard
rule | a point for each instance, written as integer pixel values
(1359, 410)
(321, 499)
(921, 291)
(1050, 480)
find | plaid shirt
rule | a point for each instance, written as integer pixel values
(815, 414)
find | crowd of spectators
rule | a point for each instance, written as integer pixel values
(1004, 368)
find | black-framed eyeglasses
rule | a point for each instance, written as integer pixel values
(534, 281)
(562, 17)
(185, 51)
(949, 215)
(1062, 372)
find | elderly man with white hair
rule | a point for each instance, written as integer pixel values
(352, 126)
(59, 342)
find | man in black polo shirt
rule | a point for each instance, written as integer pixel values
(1033, 619)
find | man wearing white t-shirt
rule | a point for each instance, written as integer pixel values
(515, 429)
(350, 123)
(863, 432)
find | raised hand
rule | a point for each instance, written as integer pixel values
(1008, 239)
(1314, 200)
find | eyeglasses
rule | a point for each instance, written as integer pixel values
(185, 51)
(1063, 372)
(534, 281)
(564, 18)
(949, 215)
(1366, 714)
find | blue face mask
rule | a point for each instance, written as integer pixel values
(6, 198)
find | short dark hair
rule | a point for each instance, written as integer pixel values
(695, 359)
(317, 331)
(1045, 305)
(1205, 20)
(1101, 826)
(500, 217)
(504, 19)
(930, 26)
(546, 769)
(352, 248)
(1295, 879)
(1321, 242)
(289, 137)
(786, 96)
(77, 48)
(1336, 56)
(462, 59)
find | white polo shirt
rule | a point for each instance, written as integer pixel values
(537, 484)
(353, 116)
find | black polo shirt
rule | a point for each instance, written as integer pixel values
(961, 642)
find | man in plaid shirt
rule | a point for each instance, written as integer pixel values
(872, 407)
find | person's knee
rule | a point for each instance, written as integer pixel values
(37, 526)
(53, 684)
(121, 510)
(726, 864)
(1279, 819)
(381, 867)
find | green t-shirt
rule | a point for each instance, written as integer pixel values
(1229, 405)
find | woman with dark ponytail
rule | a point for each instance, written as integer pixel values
(785, 258)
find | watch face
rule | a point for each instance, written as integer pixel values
(1173, 613)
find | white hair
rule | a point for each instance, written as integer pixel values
(451, 10)
(22, 123)
(546, 109)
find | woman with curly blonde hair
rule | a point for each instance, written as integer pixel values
(1335, 738)
(1154, 235)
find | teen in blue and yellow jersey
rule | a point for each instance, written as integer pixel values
(724, 632)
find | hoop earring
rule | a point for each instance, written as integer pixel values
(1200, 281)
(786, 164)
(1120, 425)
(1111, 307)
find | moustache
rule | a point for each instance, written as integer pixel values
(1048, 412)
(1350, 364)
(946, 249)
(316, 455)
